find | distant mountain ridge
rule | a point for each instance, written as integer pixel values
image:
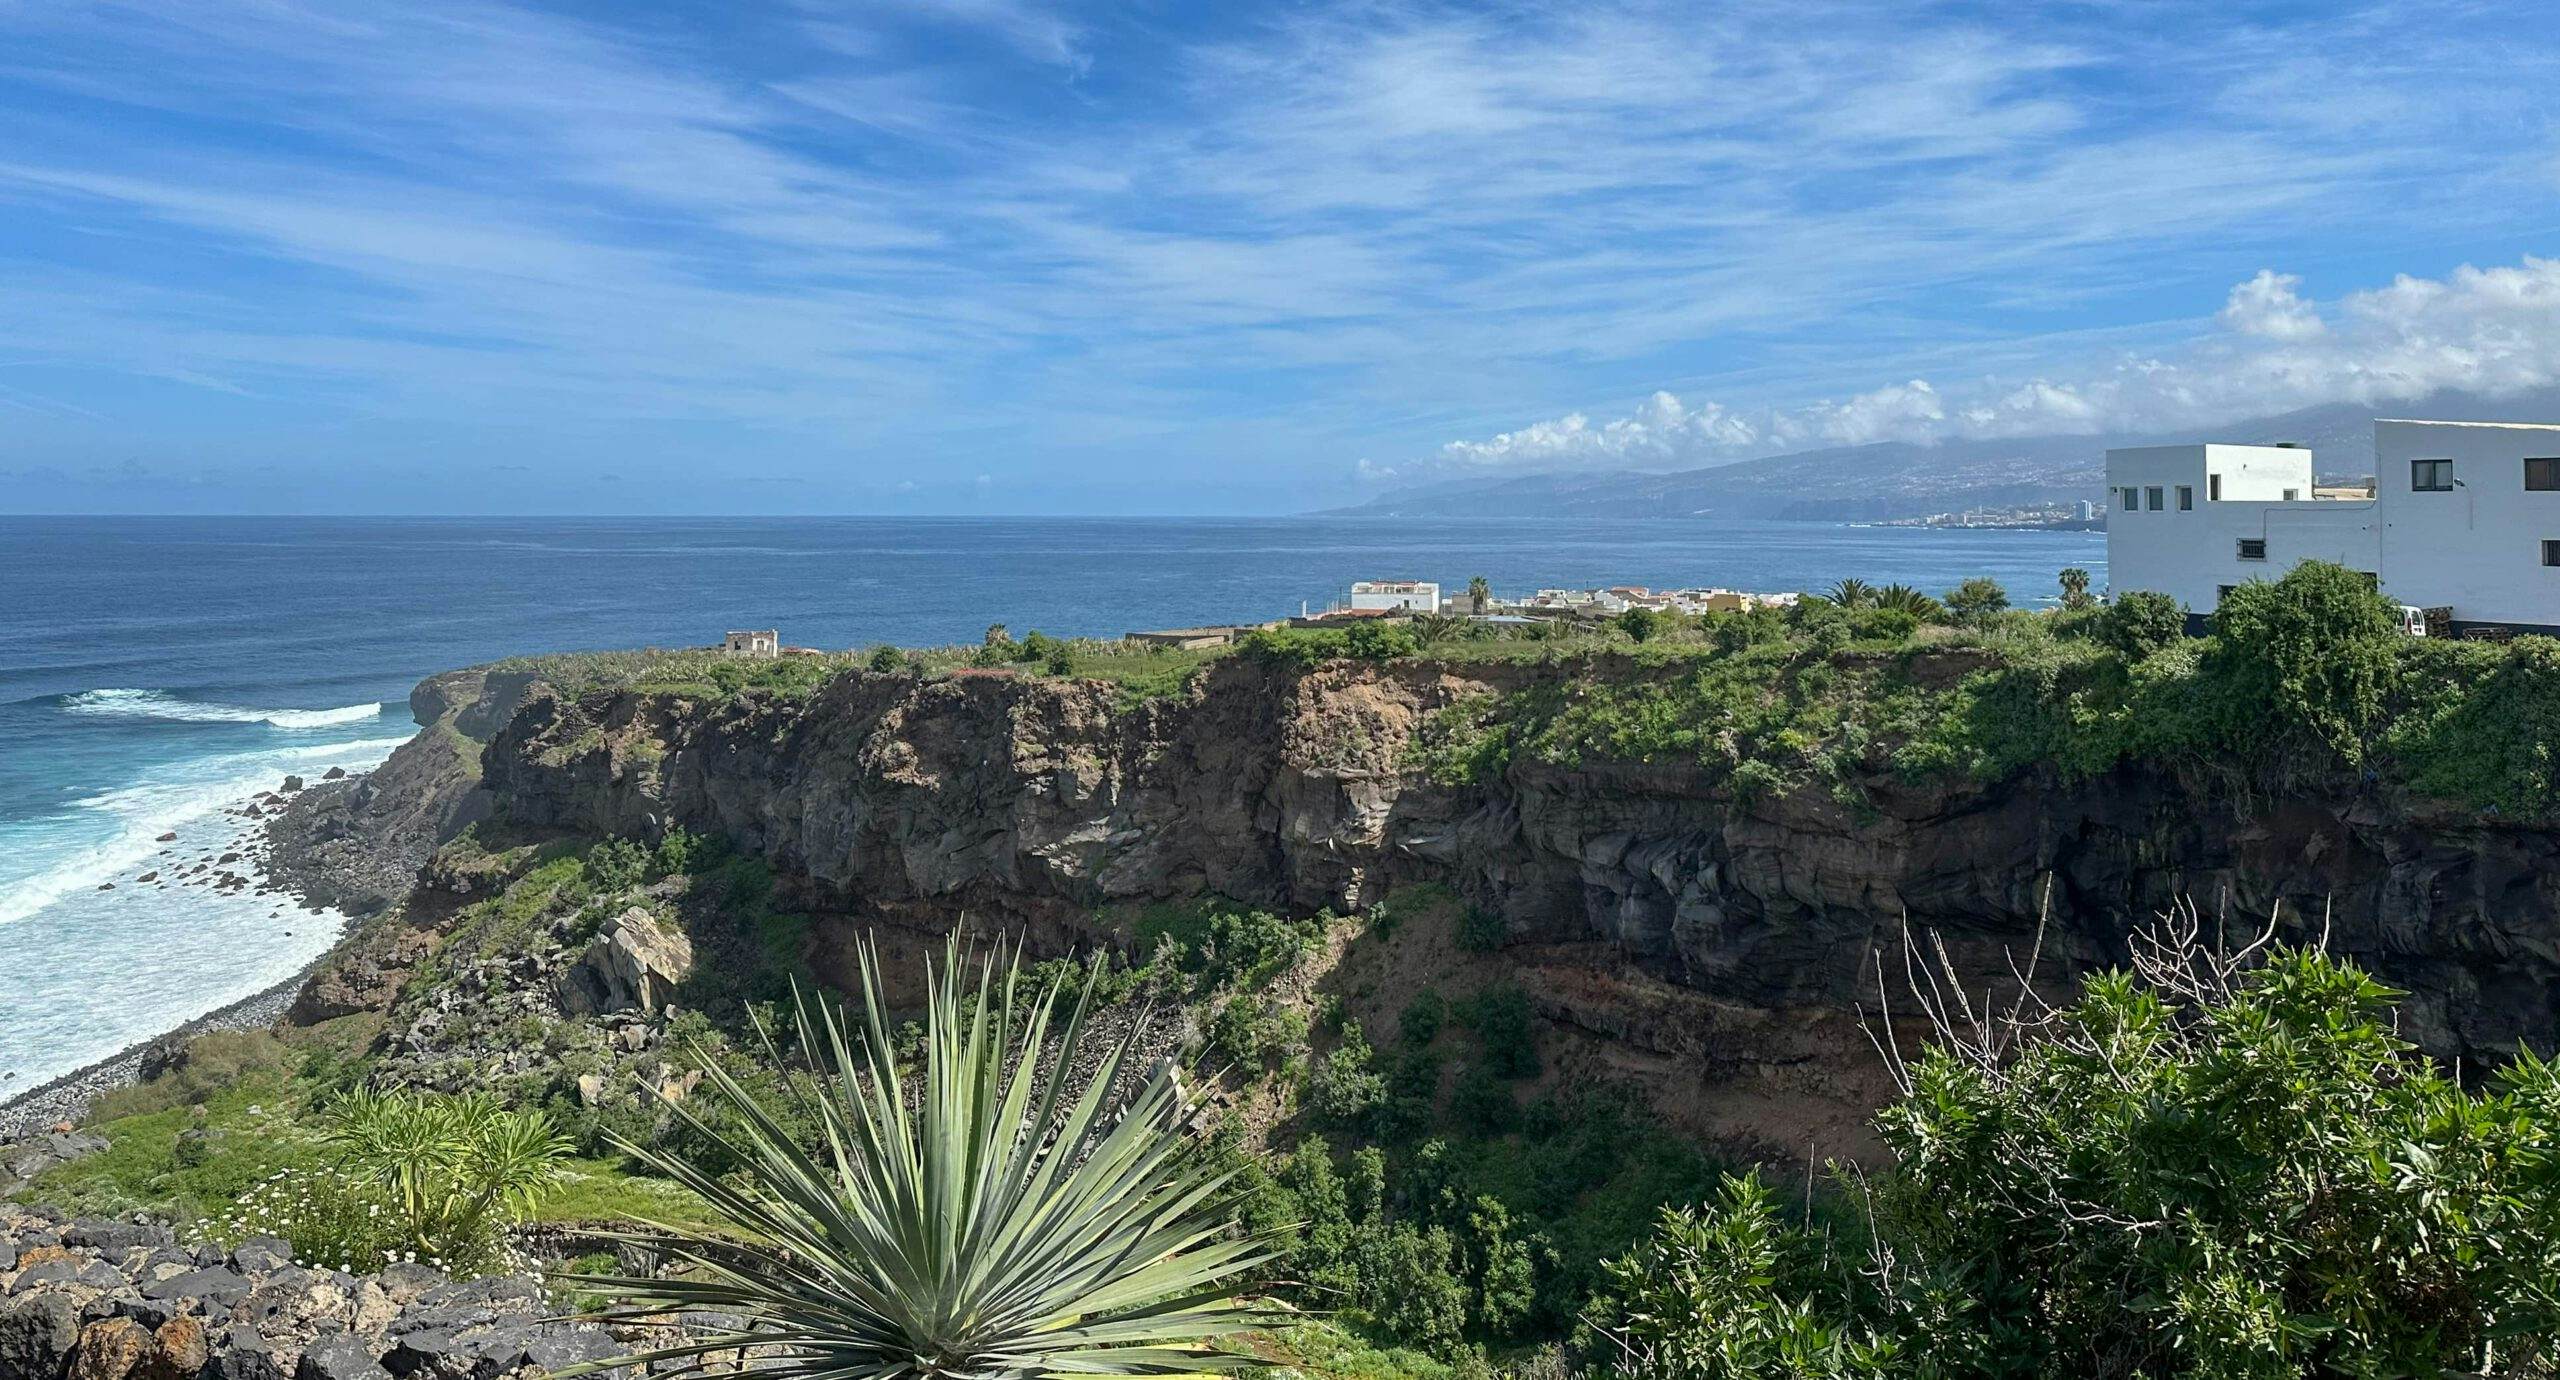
(1897, 479)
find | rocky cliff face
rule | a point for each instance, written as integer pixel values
(1711, 940)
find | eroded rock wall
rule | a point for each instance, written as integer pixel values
(1036, 801)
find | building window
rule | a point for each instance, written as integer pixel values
(2431, 476)
(2154, 492)
(2186, 498)
(2132, 500)
(2542, 472)
(2253, 548)
(2222, 592)
(2550, 552)
(2291, 494)
(2213, 488)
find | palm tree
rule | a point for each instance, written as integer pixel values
(2075, 587)
(1908, 600)
(1852, 593)
(995, 1213)
(1479, 596)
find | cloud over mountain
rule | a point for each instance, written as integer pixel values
(2486, 331)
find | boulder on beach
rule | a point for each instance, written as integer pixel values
(148, 877)
(334, 774)
(169, 837)
(292, 784)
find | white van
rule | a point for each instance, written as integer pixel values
(2413, 621)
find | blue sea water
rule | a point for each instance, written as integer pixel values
(155, 673)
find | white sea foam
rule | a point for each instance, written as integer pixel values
(124, 825)
(156, 704)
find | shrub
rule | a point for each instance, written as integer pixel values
(1422, 1018)
(2205, 1166)
(1378, 639)
(1976, 600)
(1342, 1088)
(1481, 931)
(1640, 624)
(1500, 1019)
(885, 659)
(2311, 654)
(2139, 623)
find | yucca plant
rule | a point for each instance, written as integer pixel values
(456, 1170)
(1007, 1207)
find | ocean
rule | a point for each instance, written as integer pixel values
(156, 673)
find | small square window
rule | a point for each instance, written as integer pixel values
(2550, 552)
(2154, 494)
(2292, 494)
(2542, 472)
(2253, 548)
(2431, 476)
(2186, 498)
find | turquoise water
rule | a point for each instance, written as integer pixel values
(155, 673)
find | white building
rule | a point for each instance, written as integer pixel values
(1418, 596)
(754, 642)
(2463, 516)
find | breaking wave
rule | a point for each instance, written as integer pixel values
(155, 704)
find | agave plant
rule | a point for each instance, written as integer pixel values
(1002, 1209)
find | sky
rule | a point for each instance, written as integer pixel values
(1006, 256)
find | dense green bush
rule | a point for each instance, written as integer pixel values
(2138, 623)
(1976, 600)
(2216, 1169)
(2312, 655)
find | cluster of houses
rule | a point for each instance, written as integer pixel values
(1418, 598)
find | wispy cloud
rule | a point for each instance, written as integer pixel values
(1004, 237)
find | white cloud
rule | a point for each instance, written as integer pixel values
(2268, 305)
(2491, 331)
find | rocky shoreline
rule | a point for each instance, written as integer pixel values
(264, 854)
(68, 1098)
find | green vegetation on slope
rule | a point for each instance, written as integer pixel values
(2210, 1169)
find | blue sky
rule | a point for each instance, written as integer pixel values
(1006, 256)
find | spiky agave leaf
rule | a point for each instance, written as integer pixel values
(1008, 1216)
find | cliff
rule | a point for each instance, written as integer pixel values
(1715, 948)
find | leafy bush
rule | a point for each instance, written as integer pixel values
(1976, 600)
(2311, 654)
(1641, 624)
(1500, 1018)
(2497, 744)
(885, 659)
(1342, 1089)
(2207, 1166)
(2139, 623)
(1481, 931)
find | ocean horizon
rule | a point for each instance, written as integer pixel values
(156, 673)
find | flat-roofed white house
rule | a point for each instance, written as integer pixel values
(753, 642)
(2463, 516)
(1418, 596)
